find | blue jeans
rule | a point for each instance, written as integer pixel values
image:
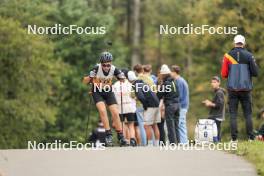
(182, 129)
(140, 119)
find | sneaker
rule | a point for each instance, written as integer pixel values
(133, 142)
(109, 140)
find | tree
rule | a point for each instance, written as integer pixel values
(28, 76)
(135, 58)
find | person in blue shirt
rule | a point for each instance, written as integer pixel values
(184, 103)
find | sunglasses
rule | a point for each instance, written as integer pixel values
(106, 65)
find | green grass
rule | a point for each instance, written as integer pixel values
(253, 152)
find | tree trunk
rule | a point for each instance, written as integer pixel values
(135, 59)
(159, 51)
(113, 4)
(128, 23)
(189, 60)
(142, 32)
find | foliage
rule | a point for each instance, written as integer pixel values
(41, 94)
(28, 75)
(252, 151)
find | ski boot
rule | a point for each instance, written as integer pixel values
(109, 139)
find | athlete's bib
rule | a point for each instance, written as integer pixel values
(101, 79)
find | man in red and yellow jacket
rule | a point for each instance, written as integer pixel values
(239, 67)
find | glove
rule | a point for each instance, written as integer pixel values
(92, 74)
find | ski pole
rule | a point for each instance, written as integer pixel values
(122, 111)
(88, 118)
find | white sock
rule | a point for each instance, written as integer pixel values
(156, 143)
(150, 143)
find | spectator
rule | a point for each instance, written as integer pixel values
(127, 110)
(150, 103)
(239, 67)
(184, 103)
(260, 132)
(139, 69)
(148, 72)
(217, 105)
(147, 80)
(147, 76)
(169, 93)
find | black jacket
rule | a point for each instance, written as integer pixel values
(169, 91)
(144, 94)
(217, 112)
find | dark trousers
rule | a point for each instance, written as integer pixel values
(171, 117)
(245, 99)
(218, 124)
(161, 130)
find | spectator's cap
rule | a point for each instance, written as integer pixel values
(165, 69)
(217, 78)
(239, 39)
(131, 76)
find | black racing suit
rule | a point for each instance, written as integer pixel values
(104, 95)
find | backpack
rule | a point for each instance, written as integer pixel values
(148, 98)
(205, 131)
(152, 99)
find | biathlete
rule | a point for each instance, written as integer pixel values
(101, 79)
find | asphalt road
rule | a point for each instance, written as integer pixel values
(127, 161)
